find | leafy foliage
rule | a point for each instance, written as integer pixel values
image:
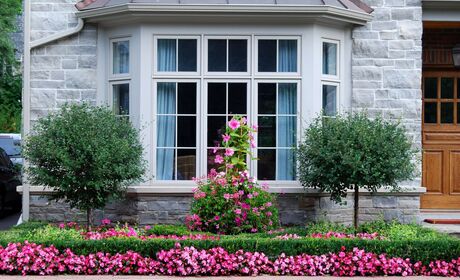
(86, 154)
(10, 79)
(230, 201)
(341, 153)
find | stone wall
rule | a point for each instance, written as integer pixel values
(294, 209)
(63, 71)
(387, 63)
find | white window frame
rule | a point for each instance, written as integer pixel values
(198, 125)
(332, 80)
(202, 78)
(111, 90)
(337, 85)
(176, 73)
(227, 38)
(278, 74)
(113, 40)
(328, 77)
(205, 115)
(117, 79)
(298, 82)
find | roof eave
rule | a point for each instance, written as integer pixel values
(348, 16)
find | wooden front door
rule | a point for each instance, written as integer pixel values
(441, 139)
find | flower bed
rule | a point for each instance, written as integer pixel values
(394, 240)
(30, 258)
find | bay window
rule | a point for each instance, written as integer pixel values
(198, 82)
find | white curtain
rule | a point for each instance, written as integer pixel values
(329, 59)
(167, 55)
(287, 131)
(166, 130)
(287, 56)
(121, 57)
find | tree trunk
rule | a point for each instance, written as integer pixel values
(356, 208)
(89, 219)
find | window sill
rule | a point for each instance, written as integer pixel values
(275, 187)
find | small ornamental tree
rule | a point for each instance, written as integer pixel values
(228, 200)
(86, 154)
(350, 152)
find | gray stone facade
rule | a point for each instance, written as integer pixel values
(386, 80)
(63, 71)
(295, 209)
(387, 63)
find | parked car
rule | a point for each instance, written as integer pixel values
(11, 144)
(10, 178)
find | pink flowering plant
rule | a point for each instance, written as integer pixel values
(228, 200)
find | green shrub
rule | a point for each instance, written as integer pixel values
(350, 152)
(86, 154)
(230, 201)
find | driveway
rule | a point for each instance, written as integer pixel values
(9, 221)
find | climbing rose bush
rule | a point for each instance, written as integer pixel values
(32, 259)
(228, 200)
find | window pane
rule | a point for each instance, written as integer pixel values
(166, 131)
(266, 165)
(329, 58)
(431, 112)
(217, 55)
(329, 100)
(286, 169)
(186, 95)
(186, 131)
(237, 55)
(186, 164)
(287, 56)
(267, 132)
(267, 98)
(121, 99)
(447, 88)
(216, 127)
(187, 55)
(237, 98)
(458, 113)
(121, 57)
(165, 164)
(267, 56)
(287, 132)
(447, 112)
(166, 55)
(287, 99)
(458, 88)
(166, 101)
(431, 88)
(217, 97)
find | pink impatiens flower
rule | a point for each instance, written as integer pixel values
(234, 124)
(226, 138)
(229, 152)
(219, 159)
